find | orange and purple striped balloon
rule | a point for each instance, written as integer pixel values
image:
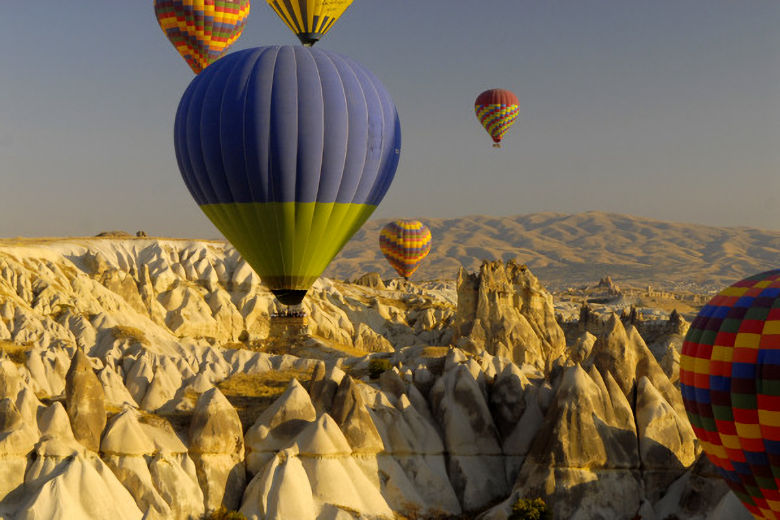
(497, 110)
(202, 30)
(405, 243)
(730, 383)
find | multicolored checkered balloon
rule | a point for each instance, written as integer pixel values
(202, 30)
(405, 243)
(730, 383)
(497, 110)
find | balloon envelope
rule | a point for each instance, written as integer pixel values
(496, 110)
(405, 243)
(730, 382)
(202, 30)
(309, 19)
(288, 151)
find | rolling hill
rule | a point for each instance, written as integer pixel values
(571, 249)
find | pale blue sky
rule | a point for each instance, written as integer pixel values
(664, 108)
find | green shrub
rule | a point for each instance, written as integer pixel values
(131, 334)
(223, 514)
(377, 366)
(15, 352)
(60, 311)
(530, 509)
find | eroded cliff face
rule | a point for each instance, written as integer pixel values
(199, 408)
(616, 435)
(504, 310)
(199, 293)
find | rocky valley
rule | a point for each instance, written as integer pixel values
(157, 379)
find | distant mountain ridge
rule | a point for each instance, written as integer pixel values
(563, 249)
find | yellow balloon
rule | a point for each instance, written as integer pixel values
(310, 20)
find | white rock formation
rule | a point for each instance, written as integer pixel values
(281, 491)
(82, 487)
(85, 401)
(278, 426)
(334, 476)
(216, 445)
(475, 465)
(505, 310)
(157, 326)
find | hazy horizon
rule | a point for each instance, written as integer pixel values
(375, 219)
(667, 110)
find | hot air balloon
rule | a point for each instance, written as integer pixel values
(496, 110)
(202, 30)
(730, 383)
(405, 243)
(288, 151)
(309, 19)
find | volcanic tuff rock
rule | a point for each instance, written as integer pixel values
(350, 413)
(369, 341)
(124, 448)
(465, 417)
(278, 426)
(475, 466)
(505, 310)
(81, 487)
(16, 443)
(85, 401)
(701, 494)
(217, 448)
(600, 447)
(372, 280)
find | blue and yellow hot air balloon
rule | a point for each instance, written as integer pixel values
(309, 19)
(405, 243)
(202, 30)
(288, 150)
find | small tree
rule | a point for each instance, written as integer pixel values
(530, 509)
(223, 514)
(377, 366)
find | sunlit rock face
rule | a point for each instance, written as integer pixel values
(129, 451)
(615, 435)
(504, 310)
(85, 401)
(140, 377)
(277, 427)
(216, 445)
(372, 280)
(585, 451)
